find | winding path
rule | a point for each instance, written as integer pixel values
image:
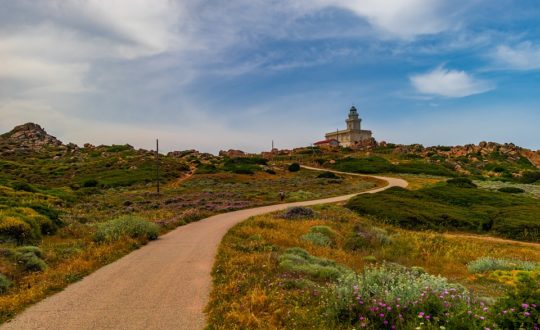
(163, 285)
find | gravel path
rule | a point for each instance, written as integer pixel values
(163, 285)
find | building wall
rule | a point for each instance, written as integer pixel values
(348, 138)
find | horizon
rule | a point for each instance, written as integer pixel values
(211, 76)
(81, 145)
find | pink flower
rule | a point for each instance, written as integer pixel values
(381, 315)
(525, 306)
(527, 314)
(420, 315)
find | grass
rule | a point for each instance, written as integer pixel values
(450, 207)
(284, 281)
(79, 229)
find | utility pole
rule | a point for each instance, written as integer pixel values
(157, 165)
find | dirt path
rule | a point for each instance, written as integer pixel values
(164, 285)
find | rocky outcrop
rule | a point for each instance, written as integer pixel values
(28, 137)
(232, 153)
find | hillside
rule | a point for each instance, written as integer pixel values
(66, 210)
(484, 161)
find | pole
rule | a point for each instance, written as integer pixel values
(157, 165)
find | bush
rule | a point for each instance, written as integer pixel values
(299, 261)
(90, 183)
(128, 225)
(487, 264)
(320, 235)
(462, 183)
(362, 238)
(520, 307)
(15, 228)
(328, 175)
(511, 190)
(391, 296)
(294, 167)
(30, 258)
(24, 224)
(5, 283)
(298, 212)
(530, 177)
(207, 169)
(23, 186)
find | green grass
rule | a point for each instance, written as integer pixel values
(451, 207)
(267, 275)
(376, 164)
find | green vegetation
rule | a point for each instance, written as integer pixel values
(511, 190)
(294, 167)
(376, 164)
(320, 235)
(407, 279)
(488, 264)
(298, 212)
(452, 207)
(127, 225)
(5, 283)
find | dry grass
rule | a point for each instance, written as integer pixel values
(250, 291)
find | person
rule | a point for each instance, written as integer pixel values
(281, 195)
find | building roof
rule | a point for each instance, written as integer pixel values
(327, 141)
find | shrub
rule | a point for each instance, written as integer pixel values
(461, 182)
(328, 175)
(207, 169)
(520, 307)
(23, 186)
(393, 295)
(5, 283)
(362, 238)
(530, 177)
(128, 225)
(30, 258)
(294, 167)
(487, 264)
(298, 212)
(14, 228)
(320, 235)
(299, 261)
(24, 224)
(511, 190)
(89, 183)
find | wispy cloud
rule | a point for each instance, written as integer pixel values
(449, 83)
(523, 56)
(404, 19)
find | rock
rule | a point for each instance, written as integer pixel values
(232, 153)
(28, 137)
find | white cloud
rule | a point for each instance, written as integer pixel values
(404, 19)
(524, 56)
(449, 83)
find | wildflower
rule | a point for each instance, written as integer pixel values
(421, 315)
(389, 308)
(381, 315)
(385, 322)
(527, 314)
(525, 306)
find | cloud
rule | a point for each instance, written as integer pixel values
(523, 56)
(403, 19)
(449, 83)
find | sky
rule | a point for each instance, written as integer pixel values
(215, 74)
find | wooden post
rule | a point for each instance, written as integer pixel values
(157, 165)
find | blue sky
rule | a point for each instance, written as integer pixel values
(214, 75)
